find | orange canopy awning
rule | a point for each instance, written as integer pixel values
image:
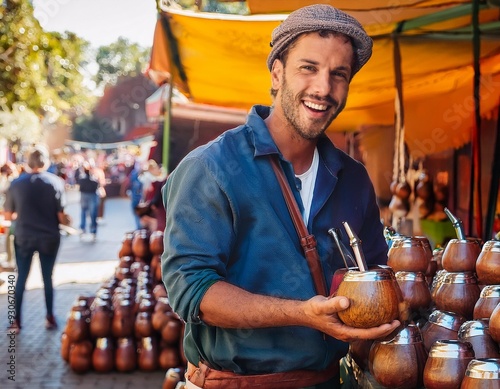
(220, 59)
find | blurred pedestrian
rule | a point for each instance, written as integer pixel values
(152, 179)
(152, 173)
(36, 200)
(8, 172)
(132, 187)
(89, 199)
(98, 173)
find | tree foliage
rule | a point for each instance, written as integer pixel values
(40, 71)
(119, 59)
(19, 123)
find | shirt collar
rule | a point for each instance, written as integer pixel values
(264, 143)
(260, 136)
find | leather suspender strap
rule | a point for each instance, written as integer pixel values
(307, 240)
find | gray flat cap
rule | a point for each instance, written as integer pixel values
(321, 17)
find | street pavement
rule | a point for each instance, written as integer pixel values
(82, 266)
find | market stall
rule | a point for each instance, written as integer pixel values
(433, 81)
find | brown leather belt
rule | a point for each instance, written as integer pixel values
(207, 378)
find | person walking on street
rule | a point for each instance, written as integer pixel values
(233, 264)
(133, 188)
(36, 200)
(89, 199)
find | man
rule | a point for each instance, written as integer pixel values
(233, 264)
(36, 202)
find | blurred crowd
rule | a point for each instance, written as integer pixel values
(118, 173)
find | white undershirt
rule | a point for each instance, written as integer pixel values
(308, 179)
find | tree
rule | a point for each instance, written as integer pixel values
(40, 71)
(20, 123)
(120, 58)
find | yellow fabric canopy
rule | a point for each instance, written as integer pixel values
(220, 59)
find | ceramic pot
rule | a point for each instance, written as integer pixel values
(403, 190)
(488, 263)
(488, 300)
(436, 282)
(460, 255)
(373, 295)
(476, 332)
(171, 331)
(414, 289)
(441, 325)
(103, 356)
(408, 254)
(77, 326)
(159, 319)
(143, 327)
(446, 365)
(140, 243)
(126, 247)
(156, 243)
(482, 373)
(101, 317)
(122, 325)
(458, 292)
(126, 355)
(169, 357)
(80, 356)
(399, 362)
(147, 358)
(495, 324)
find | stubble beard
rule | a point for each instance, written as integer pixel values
(315, 127)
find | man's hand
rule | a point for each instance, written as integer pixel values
(321, 314)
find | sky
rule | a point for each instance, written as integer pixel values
(101, 22)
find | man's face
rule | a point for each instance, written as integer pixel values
(313, 86)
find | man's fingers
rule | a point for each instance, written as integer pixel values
(373, 333)
(338, 303)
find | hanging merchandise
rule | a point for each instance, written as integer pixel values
(400, 189)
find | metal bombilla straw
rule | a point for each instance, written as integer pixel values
(356, 247)
(457, 224)
(344, 252)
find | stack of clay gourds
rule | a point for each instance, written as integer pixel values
(450, 334)
(128, 324)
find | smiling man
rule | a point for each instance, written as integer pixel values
(233, 263)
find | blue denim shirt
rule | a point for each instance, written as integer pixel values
(227, 220)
